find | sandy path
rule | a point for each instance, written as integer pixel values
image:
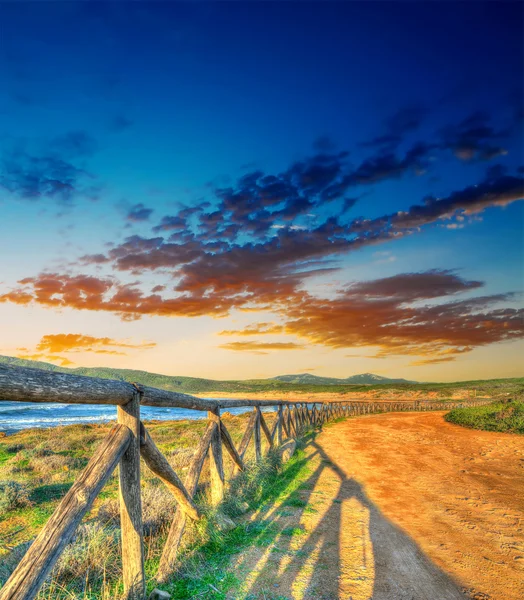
(400, 507)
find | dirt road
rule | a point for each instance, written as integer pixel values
(399, 507)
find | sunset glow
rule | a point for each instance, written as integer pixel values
(243, 190)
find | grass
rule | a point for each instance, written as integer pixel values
(205, 570)
(506, 417)
(90, 566)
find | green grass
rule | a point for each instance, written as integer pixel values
(507, 417)
(206, 554)
(205, 570)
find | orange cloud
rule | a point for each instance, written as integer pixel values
(76, 342)
(50, 346)
(255, 329)
(64, 362)
(388, 313)
(260, 347)
(396, 314)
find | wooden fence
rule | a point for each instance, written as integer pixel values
(129, 440)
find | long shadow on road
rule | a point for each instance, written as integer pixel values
(327, 540)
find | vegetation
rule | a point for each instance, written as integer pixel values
(193, 385)
(39, 466)
(506, 416)
(364, 378)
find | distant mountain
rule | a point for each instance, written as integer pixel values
(363, 379)
(181, 383)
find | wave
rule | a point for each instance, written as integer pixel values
(15, 416)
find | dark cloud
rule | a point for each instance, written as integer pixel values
(409, 287)
(384, 166)
(139, 212)
(498, 191)
(396, 127)
(36, 178)
(171, 223)
(53, 172)
(474, 139)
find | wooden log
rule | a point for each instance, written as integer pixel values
(160, 466)
(258, 441)
(133, 573)
(244, 442)
(296, 422)
(168, 558)
(285, 423)
(265, 428)
(291, 423)
(230, 447)
(22, 384)
(280, 423)
(216, 463)
(275, 426)
(38, 561)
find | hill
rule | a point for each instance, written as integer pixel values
(363, 379)
(195, 385)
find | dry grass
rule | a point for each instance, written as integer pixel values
(40, 465)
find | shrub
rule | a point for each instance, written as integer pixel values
(55, 466)
(94, 553)
(505, 416)
(158, 507)
(13, 495)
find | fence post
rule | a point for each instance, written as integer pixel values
(258, 441)
(131, 504)
(280, 417)
(216, 464)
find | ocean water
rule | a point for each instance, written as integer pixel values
(15, 416)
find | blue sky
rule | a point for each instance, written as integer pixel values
(114, 116)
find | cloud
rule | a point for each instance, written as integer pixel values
(76, 342)
(51, 346)
(474, 199)
(62, 360)
(51, 172)
(474, 139)
(171, 223)
(254, 245)
(260, 347)
(393, 314)
(255, 329)
(139, 213)
(397, 126)
(215, 276)
(431, 361)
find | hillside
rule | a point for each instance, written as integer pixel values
(194, 385)
(363, 379)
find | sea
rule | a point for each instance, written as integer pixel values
(15, 416)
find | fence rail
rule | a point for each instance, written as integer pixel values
(129, 440)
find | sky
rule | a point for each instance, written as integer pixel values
(242, 190)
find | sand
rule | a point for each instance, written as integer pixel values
(400, 507)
